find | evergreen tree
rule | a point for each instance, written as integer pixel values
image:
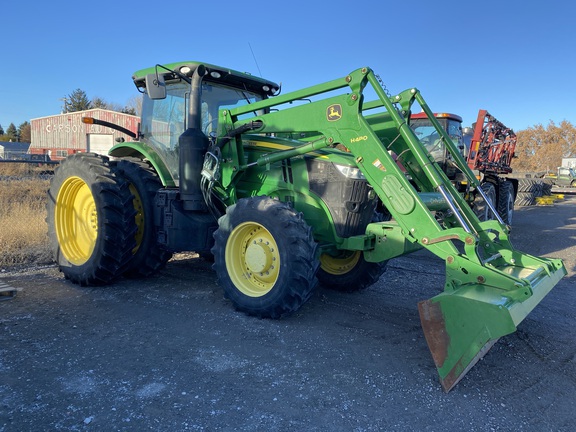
(11, 133)
(76, 101)
(129, 110)
(98, 102)
(1, 130)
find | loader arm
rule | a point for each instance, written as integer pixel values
(490, 287)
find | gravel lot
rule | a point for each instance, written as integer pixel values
(170, 354)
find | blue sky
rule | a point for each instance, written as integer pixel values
(512, 58)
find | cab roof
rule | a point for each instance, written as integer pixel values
(216, 74)
(422, 115)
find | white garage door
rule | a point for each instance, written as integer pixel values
(100, 143)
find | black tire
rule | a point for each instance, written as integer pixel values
(147, 256)
(90, 220)
(506, 202)
(538, 188)
(527, 185)
(524, 199)
(546, 187)
(253, 236)
(480, 208)
(348, 272)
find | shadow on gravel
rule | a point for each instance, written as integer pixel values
(547, 231)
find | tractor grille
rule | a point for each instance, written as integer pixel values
(346, 198)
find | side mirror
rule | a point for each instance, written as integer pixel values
(155, 86)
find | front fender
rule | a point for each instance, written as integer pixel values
(144, 151)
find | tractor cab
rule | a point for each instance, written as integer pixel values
(180, 96)
(428, 135)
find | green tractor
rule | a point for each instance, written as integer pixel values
(285, 190)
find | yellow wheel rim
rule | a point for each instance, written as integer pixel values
(76, 220)
(137, 203)
(252, 259)
(339, 265)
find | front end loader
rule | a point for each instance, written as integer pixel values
(285, 190)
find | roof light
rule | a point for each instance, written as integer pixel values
(185, 70)
(448, 116)
(215, 74)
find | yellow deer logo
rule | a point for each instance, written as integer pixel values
(334, 112)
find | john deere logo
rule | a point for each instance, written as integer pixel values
(334, 112)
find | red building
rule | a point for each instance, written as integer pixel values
(64, 134)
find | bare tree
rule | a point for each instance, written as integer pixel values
(134, 105)
(542, 148)
(24, 132)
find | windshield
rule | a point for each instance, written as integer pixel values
(164, 120)
(428, 135)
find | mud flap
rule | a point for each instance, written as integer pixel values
(460, 326)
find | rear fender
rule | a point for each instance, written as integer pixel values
(143, 151)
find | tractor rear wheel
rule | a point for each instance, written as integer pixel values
(147, 256)
(349, 271)
(265, 257)
(91, 223)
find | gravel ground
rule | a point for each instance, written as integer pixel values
(169, 353)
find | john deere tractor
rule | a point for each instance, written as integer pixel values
(285, 190)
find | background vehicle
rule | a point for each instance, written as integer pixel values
(286, 191)
(563, 176)
(488, 147)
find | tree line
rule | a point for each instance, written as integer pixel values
(75, 101)
(16, 134)
(541, 148)
(79, 101)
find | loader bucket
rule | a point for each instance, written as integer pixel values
(460, 326)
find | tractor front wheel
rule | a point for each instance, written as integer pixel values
(506, 202)
(265, 257)
(349, 271)
(90, 220)
(482, 209)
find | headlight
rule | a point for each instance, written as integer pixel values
(350, 172)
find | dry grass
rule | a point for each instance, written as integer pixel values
(23, 230)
